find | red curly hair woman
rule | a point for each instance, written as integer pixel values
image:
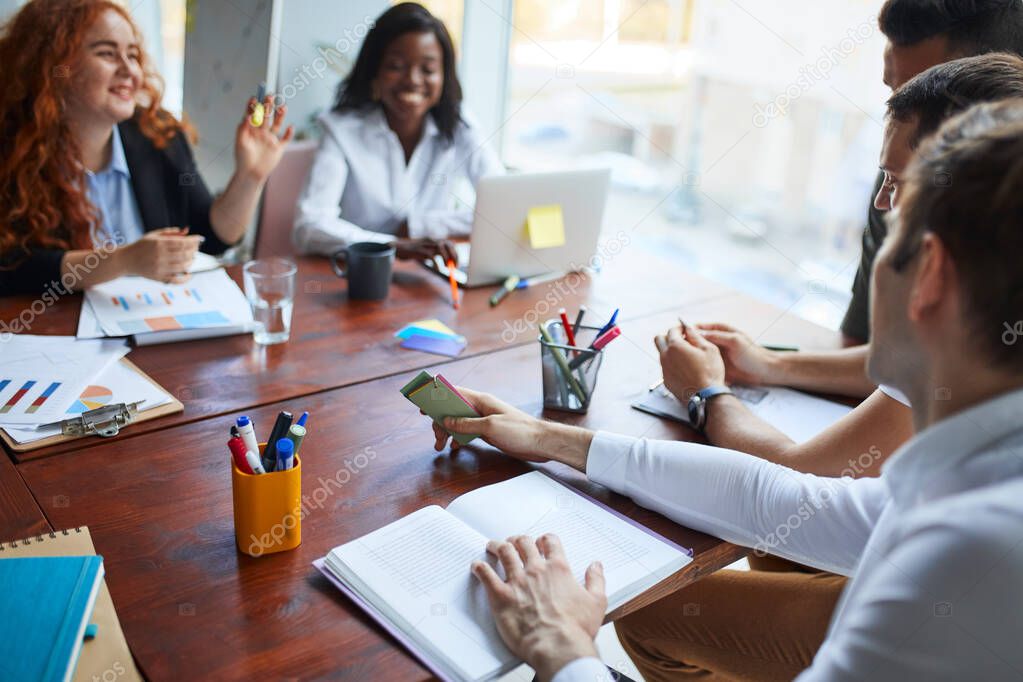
(97, 180)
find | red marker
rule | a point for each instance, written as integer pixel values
(569, 333)
(606, 338)
(237, 447)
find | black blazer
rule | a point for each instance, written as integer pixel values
(169, 192)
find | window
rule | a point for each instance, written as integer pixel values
(746, 129)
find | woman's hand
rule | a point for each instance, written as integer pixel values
(746, 362)
(258, 149)
(164, 255)
(689, 362)
(425, 249)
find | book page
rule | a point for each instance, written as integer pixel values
(534, 504)
(416, 571)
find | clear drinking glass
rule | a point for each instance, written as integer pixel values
(270, 288)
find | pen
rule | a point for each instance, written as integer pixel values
(237, 447)
(606, 338)
(295, 435)
(563, 365)
(569, 332)
(301, 420)
(610, 323)
(781, 349)
(280, 429)
(285, 454)
(258, 111)
(579, 319)
(454, 284)
(247, 431)
(509, 285)
(539, 279)
(254, 464)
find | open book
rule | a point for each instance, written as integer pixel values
(413, 577)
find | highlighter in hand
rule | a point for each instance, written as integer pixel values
(439, 399)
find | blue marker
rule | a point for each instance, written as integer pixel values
(611, 323)
(301, 420)
(285, 454)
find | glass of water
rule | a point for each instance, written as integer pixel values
(270, 288)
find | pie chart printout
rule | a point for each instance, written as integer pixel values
(91, 398)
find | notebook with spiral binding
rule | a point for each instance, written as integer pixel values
(106, 655)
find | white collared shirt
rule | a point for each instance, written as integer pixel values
(361, 189)
(934, 547)
(110, 191)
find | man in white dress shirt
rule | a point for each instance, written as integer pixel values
(933, 548)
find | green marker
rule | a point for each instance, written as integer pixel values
(295, 434)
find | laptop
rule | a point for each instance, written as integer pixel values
(499, 246)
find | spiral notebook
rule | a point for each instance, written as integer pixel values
(107, 654)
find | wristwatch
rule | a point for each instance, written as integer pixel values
(698, 405)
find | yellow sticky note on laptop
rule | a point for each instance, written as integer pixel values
(545, 227)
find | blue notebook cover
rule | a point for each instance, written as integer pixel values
(46, 603)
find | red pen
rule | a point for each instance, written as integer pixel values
(237, 447)
(569, 333)
(606, 338)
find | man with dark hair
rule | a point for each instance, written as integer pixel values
(880, 424)
(920, 34)
(932, 548)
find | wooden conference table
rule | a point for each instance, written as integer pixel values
(157, 498)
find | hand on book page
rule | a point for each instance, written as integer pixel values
(543, 614)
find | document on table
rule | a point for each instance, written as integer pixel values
(798, 415)
(119, 383)
(41, 377)
(135, 306)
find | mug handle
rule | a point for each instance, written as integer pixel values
(341, 256)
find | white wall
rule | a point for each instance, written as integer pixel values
(319, 41)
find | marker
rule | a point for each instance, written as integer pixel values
(509, 285)
(258, 111)
(295, 435)
(563, 365)
(237, 447)
(781, 349)
(606, 338)
(285, 454)
(539, 279)
(301, 420)
(610, 323)
(254, 463)
(280, 429)
(579, 319)
(569, 332)
(454, 284)
(247, 432)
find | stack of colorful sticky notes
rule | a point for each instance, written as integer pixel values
(431, 336)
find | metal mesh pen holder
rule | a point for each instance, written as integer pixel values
(569, 372)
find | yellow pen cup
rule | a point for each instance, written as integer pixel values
(267, 509)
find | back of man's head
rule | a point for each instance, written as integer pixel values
(971, 26)
(945, 90)
(965, 186)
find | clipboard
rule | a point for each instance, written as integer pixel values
(172, 407)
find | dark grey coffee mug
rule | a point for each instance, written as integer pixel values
(367, 267)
